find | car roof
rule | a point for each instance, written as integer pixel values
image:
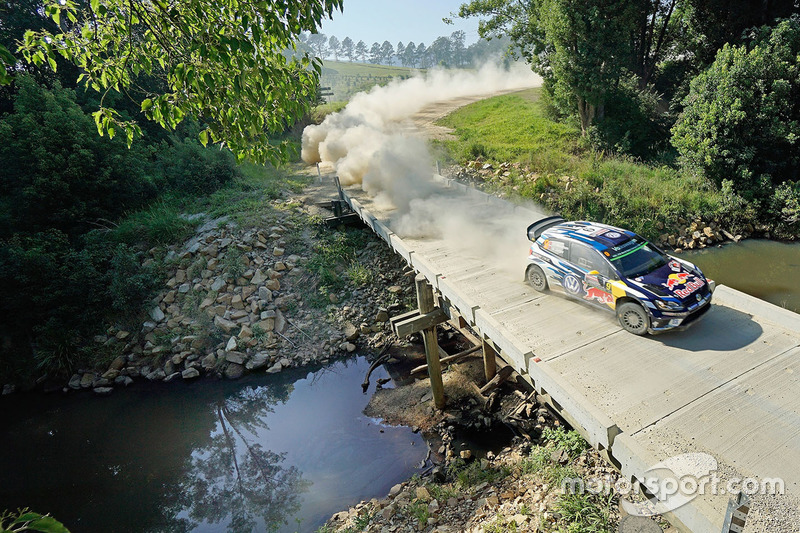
(599, 236)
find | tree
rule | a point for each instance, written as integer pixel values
(319, 43)
(361, 51)
(375, 54)
(458, 50)
(441, 52)
(334, 45)
(400, 50)
(221, 62)
(348, 48)
(421, 56)
(387, 52)
(410, 55)
(741, 120)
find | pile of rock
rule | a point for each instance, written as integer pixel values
(234, 304)
(699, 234)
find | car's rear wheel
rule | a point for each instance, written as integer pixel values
(633, 318)
(536, 278)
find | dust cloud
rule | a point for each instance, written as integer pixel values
(372, 143)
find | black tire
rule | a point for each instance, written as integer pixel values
(633, 318)
(536, 278)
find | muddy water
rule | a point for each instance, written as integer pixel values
(766, 269)
(278, 453)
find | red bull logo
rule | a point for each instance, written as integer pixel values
(599, 295)
(678, 278)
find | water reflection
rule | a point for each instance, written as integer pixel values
(269, 453)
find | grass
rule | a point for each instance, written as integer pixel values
(552, 165)
(346, 79)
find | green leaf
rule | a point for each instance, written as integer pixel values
(204, 137)
(147, 103)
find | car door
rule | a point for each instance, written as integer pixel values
(596, 274)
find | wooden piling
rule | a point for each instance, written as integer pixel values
(489, 361)
(426, 305)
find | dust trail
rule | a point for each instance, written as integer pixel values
(369, 143)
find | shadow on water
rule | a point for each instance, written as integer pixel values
(721, 329)
(267, 453)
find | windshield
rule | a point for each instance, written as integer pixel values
(635, 257)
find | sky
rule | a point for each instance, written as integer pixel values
(398, 20)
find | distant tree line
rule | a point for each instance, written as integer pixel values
(445, 51)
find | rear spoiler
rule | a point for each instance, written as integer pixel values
(538, 227)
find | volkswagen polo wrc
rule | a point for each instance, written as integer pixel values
(618, 270)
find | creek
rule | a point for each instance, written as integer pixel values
(278, 452)
(769, 270)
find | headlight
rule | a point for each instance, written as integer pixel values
(667, 305)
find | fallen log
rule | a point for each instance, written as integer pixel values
(502, 375)
(448, 359)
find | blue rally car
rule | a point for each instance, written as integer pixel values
(618, 270)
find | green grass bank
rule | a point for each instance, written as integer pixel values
(534, 157)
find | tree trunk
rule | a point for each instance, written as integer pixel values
(586, 112)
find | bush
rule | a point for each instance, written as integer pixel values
(186, 168)
(741, 120)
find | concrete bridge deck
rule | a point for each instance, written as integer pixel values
(729, 386)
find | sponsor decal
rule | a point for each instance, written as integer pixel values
(573, 285)
(675, 266)
(598, 295)
(613, 235)
(678, 278)
(592, 230)
(689, 288)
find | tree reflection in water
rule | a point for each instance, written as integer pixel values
(232, 478)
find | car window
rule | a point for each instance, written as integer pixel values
(590, 259)
(636, 257)
(557, 247)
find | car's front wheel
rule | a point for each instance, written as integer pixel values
(633, 318)
(536, 278)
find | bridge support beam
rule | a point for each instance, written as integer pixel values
(426, 305)
(489, 360)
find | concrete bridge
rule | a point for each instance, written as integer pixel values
(728, 387)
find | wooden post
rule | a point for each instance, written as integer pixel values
(426, 305)
(489, 361)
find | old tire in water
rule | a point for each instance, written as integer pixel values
(536, 278)
(633, 318)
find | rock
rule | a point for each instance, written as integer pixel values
(274, 369)
(118, 363)
(350, 331)
(157, 314)
(235, 357)
(156, 375)
(209, 362)
(231, 345)
(103, 391)
(277, 252)
(394, 491)
(259, 277)
(264, 294)
(560, 456)
(186, 287)
(280, 321)
(395, 289)
(8, 388)
(382, 316)
(123, 381)
(234, 371)
(245, 333)
(423, 494)
(259, 360)
(171, 376)
(433, 507)
(236, 301)
(110, 374)
(349, 347)
(224, 324)
(280, 266)
(218, 284)
(190, 373)
(333, 298)
(466, 454)
(87, 380)
(273, 285)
